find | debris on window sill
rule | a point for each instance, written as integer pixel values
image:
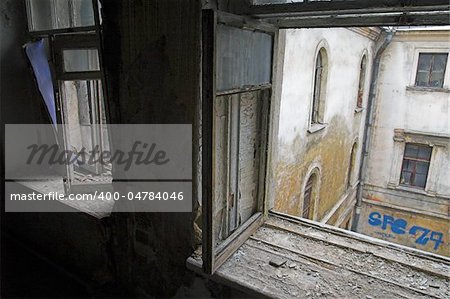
(329, 261)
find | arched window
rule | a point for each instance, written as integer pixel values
(362, 81)
(320, 79)
(351, 165)
(308, 196)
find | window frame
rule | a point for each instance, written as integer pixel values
(362, 78)
(415, 159)
(319, 89)
(82, 37)
(307, 197)
(414, 67)
(208, 90)
(213, 256)
(430, 71)
(314, 173)
(352, 164)
(76, 42)
(437, 141)
(72, 28)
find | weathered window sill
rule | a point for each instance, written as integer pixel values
(359, 109)
(411, 190)
(427, 89)
(316, 127)
(287, 257)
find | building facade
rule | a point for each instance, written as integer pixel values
(406, 189)
(326, 78)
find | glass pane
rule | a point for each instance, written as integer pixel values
(422, 78)
(406, 178)
(408, 165)
(437, 79)
(83, 13)
(78, 101)
(81, 60)
(59, 14)
(420, 180)
(244, 57)
(238, 123)
(421, 168)
(83, 112)
(440, 61)
(249, 152)
(424, 62)
(424, 153)
(221, 208)
(411, 150)
(41, 15)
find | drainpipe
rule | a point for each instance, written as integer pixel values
(369, 122)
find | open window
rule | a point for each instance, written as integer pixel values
(237, 90)
(237, 87)
(71, 29)
(82, 109)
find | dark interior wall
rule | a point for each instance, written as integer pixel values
(152, 57)
(20, 101)
(152, 62)
(77, 242)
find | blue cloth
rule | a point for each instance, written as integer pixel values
(38, 59)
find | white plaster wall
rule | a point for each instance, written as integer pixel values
(298, 149)
(345, 49)
(399, 108)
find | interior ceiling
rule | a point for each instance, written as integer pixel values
(337, 13)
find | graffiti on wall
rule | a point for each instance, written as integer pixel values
(400, 226)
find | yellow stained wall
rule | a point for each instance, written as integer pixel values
(407, 228)
(331, 148)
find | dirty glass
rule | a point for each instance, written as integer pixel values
(420, 180)
(411, 150)
(81, 60)
(422, 167)
(431, 69)
(415, 165)
(83, 107)
(244, 58)
(239, 120)
(59, 14)
(424, 153)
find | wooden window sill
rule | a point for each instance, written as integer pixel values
(288, 257)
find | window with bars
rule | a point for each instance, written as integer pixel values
(416, 163)
(431, 69)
